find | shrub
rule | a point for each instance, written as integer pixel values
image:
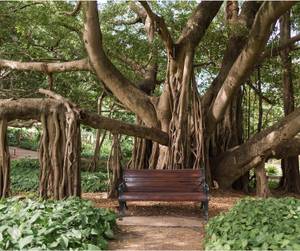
(67, 224)
(93, 182)
(25, 178)
(271, 170)
(24, 175)
(256, 224)
(23, 138)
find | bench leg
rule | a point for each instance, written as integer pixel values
(204, 204)
(122, 207)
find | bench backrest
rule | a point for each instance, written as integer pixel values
(187, 180)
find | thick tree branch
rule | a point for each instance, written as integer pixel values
(199, 21)
(20, 124)
(161, 27)
(76, 65)
(241, 69)
(234, 48)
(233, 163)
(32, 108)
(137, 101)
(115, 126)
(287, 149)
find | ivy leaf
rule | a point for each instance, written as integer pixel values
(23, 242)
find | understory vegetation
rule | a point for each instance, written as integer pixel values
(66, 224)
(24, 138)
(256, 224)
(25, 178)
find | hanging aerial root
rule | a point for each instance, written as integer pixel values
(4, 160)
(114, 166)
(60, 151)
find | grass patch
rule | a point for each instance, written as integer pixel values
(270, 224)
(61, 225)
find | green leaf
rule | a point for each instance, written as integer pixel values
(23, 242)
(92, 247)
(14, 232)
(109, 234)
(64, 241)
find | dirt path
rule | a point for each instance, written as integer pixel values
(163, 226)
(19, 153)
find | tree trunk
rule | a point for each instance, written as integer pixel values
(60, 156)
(96, 157)
(4, 161)
(235, 162)
(114, 167)
(262, 187)
(141, 152)
(290, 166)
(59, 153)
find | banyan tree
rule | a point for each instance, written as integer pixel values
(179, 123)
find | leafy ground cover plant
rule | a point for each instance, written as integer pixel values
(272, 224)
(25, 178)
(24, 138)
(93, 182)
(24, 175)
(61, 225)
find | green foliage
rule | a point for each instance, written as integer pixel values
(273, 184)
(271, 170)
(61, 225)
(270, 224)
(25, 139)
(25, 178)
(24, 175)
(93, 182)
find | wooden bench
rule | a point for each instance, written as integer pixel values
(163, 185)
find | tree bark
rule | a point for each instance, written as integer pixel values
(291, 178)
(4, 160)
(236, 161)
(96, 157)
(32, 108)
(241, 69)
(114, 167)
(262, 186)
(133, 98)
(77, 65)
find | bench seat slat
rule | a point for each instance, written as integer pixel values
(165, 180)
(175, 187)
(162, 196)
(163, 173)
(158, 183)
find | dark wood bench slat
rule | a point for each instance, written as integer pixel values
(138, 188)
(159, 183)
(163, 173)
(163, 196)
(163, 185)
(165, 180)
